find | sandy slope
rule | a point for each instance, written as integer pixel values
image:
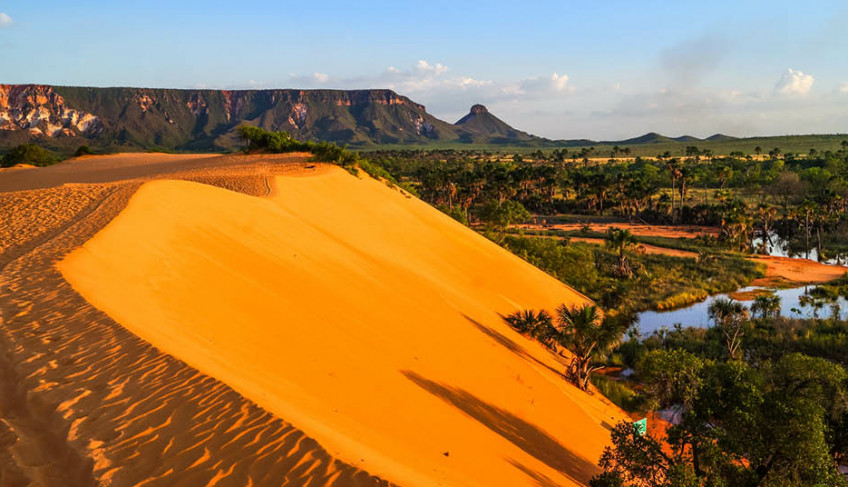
(365, 317)
(83, 401)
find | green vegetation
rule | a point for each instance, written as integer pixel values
(658, 282)
(779, 423)
(580, 330)
(620, 241)
(760, 401)
(768, 407)
(619, 391)
(28, 154)
(730, 318)
(800, 199)
(83, 150)
(500, 215)
(258, 139)
(644, 147)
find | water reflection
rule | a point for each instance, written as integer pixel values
(780, 247)
(792, 305)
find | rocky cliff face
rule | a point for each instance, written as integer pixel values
(39, 110)
(206, 119)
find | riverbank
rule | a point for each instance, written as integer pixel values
(776, 272)
(783, 272)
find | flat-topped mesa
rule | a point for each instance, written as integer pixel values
(205, 120)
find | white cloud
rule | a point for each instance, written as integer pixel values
(5, 20)
(607, 109)
(424, 67)
(424, 77)
(794, 83)
(309, 80)
(559, 83)
(545, 85)
(445, 93)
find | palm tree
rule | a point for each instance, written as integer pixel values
(620, 241)
(525, 321)
(615, 150)
(766, 215)
(539, 325)
(583, 332)
(766, 306)
(729, 317)
(673, 166)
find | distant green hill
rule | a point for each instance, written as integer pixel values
(649, 138)
(720, 138)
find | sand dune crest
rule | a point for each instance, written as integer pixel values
(363, 316)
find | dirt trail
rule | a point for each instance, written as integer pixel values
(780, 271)
(85, 402)
(643, 248)
(643, 230)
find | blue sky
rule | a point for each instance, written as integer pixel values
(566, 69)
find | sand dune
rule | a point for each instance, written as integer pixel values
(364, 317)
(83, 401)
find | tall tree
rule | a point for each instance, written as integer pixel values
(620, 241)
(588, 336)
(729, 317)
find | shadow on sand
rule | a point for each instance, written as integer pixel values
(511, 345)
(517, 431)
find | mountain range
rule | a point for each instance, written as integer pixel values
(63, 118)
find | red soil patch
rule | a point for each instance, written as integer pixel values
(678, 231)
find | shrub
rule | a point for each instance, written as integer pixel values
(83, 150)
(28, 154)
(502, 215)
(619, 393)
(259, 139)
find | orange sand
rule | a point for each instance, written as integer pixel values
(783, 270)
(363, 316)
(86, 402)
(779, 270)
(677, 231)
(644, 248)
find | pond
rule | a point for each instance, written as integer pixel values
(697, 314)
(790, 299)
(779, 247)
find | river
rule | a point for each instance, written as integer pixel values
(790, 305)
